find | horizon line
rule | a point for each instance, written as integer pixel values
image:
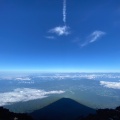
(58, 71)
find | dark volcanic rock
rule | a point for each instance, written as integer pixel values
(104, 114)
(63, 109)
(5, 114)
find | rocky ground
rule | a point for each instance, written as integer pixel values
(5, 114)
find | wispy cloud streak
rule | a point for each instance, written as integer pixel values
(64, 11)
(93, 37)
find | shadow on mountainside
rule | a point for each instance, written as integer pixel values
(63, 109)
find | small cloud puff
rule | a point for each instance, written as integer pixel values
(24, 94)
(114, 85)
(60, 30)
(94, 36)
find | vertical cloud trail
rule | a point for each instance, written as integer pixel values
(61, 30)
(64, 11)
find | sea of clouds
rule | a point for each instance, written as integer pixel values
(24, 94)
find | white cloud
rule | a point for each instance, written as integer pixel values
(24, 94)
(23, 78)
(114, 85)
(93, 37)
(26, 82)
(60, 30)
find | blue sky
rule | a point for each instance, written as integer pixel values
(60, 35)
